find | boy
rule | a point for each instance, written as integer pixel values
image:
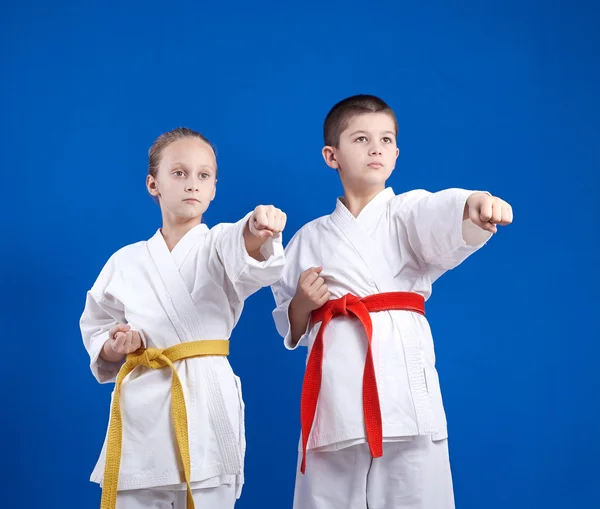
(377, 437)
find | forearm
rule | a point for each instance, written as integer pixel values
(109, 355)
(253, 244)
(438, 229)
(466, 212)
(298, 321)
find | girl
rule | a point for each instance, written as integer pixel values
(157, 322)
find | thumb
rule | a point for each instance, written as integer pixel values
(309, 271)
(313, 269)
(120, 327)
(119, 336)
(475, 217)
(264, 234)
(258, 229)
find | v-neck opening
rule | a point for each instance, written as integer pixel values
(370, 213)
(183, 247)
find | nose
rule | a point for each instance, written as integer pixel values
(192, 184)
(375, 149)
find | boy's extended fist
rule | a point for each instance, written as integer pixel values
(488, 211)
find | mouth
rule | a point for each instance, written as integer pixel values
(191, 200)
(375, 165)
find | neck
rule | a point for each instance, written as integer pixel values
(356, 200)
(173, 229)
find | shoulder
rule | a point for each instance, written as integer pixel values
(219, 228)
(123, 257)
(310, 232)
(408, 198)
(129, 252)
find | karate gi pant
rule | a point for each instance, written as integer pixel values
(413, 474)
(221, 497)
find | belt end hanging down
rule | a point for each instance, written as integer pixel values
(376, 450)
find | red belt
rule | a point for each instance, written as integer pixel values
(350, 305)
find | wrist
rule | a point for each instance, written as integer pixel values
(470, 199)
(253, 242)
(108, 354)
(298, 309)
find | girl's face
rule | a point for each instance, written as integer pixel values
(185, 182)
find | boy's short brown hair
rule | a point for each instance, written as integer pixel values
(340, 115)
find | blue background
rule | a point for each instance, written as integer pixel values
(502, 96)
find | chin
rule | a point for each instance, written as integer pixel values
(375, 180)
(189, 214)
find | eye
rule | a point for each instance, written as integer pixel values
(361, 139)
(179, 173)
(387, 139)
(204, 175)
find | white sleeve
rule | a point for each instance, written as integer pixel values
(285, 289)
(101, 313)
(247, 274)
(436, 230)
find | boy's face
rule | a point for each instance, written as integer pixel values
(185, 183)
(366, 153)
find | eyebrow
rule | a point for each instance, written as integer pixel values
(365, 132)
(204, 167)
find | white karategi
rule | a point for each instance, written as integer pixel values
(194, 292)
(397, 244)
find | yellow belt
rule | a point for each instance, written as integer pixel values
(155, 358)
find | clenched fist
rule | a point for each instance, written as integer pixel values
(266, 221)
(488, 211)
(311, 292)
(121, 341)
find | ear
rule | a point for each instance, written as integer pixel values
(397, 152)
(214, 193)
(330, 157)
(151, 186)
